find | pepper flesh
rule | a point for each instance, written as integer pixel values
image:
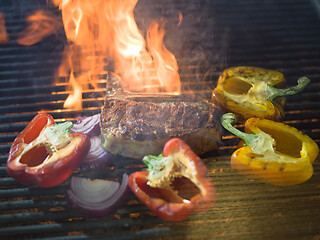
(175, 184)
(251, 92)
(274, 152)
(45, 153)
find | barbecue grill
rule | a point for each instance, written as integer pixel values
(283, 35)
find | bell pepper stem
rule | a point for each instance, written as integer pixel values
(150, 160)
(56, 136)
(64, 126)
(273, 92)
(227, 122)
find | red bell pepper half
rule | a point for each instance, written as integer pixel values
(175, 184)
(45, 153)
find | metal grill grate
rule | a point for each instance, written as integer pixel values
(283, 35)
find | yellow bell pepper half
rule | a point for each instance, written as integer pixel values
(274, 152)
(251, 92)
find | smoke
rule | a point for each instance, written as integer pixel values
(196, 40)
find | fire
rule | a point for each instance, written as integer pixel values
(40, 25)
(152, 71)
(73, 99)
(101, 32)
(180, 18)
(3, 32)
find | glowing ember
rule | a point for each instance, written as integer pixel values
(40, 25)
(3, 32)
(101, 30)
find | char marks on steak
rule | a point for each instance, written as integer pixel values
(135, 127)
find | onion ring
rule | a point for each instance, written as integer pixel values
(98, 197)
(97, 157)
(88, 125)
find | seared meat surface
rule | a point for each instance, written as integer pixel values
(135, 127)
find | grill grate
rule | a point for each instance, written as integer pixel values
(283, 35)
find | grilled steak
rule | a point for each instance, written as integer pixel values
(135, 127)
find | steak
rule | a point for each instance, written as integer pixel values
(138, 126)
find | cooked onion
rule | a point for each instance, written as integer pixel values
(97, 157)
(88, 125)
(96, 198)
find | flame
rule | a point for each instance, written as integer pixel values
(152, 71)
(40, 25)
(180, 18)
(74, 100)
(3, 32)
(101, 32)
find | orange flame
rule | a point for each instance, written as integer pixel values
(73, 99)
(180, 18)
(103, 30)
(3, 32)
(40, 25)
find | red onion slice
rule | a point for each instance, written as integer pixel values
(97, 157)
(96, 198)
(88, 125)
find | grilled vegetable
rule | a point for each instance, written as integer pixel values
(251, 92)
(97, 157)
(87, 125)
(274, 153)
(175, 183)
(45, 153)
(98, 197)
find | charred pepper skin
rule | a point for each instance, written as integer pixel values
(274, 152)
(154, 186)
(45, 153)
(251, 92)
